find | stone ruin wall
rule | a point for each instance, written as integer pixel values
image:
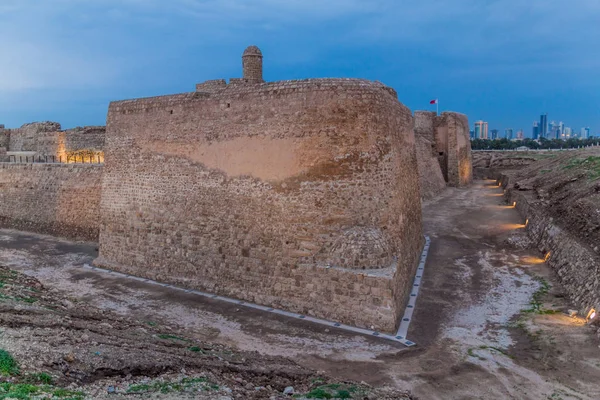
(278, 194)
(58, 199)
(447, 137)
(431, 178)
(48, 139)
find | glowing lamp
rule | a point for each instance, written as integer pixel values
(591, 315)
(514, 203)
(527, 222)
(547, 256)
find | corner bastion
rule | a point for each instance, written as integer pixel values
(448, 136)
(301, 195)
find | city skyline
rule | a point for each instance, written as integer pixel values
(543, 127)
(65, 61)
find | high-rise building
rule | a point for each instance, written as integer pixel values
(481, 130)
(472, 134)
(494, 133)
(561, 128)
(585, 133)
(536, 131)
(543, 125)
(567, 133)
(520, 134)
(508, 133)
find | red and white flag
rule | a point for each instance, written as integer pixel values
(433, 101)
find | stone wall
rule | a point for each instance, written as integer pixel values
(431, 178)
(48, 139)
(576, 265)
(452, 131)
(448, 134)
(59, 199)
(301, 195)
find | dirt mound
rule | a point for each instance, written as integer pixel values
(82, 352)
(567, 185)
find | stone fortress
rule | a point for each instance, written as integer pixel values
(303, 195)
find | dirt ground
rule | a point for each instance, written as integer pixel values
(490, 323)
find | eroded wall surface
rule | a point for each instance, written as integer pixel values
(48, 139)
(431, 178)
(449, 134)
(58, 199)
(301, 195)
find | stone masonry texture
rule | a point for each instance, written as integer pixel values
(448, 134)
(59, 199)
(301, 195)
(48, 139)
(431, 179)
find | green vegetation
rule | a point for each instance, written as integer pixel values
(334, 391)
(499, 350)
(41, 377)
(196, 349)
(591, 164)
(24, 391)
(536, 305)
(8, 365)
(172, 337)
(505, 144)
(183, 385)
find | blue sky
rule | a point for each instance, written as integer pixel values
(504, 61)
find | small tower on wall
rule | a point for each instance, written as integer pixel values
(252, 65)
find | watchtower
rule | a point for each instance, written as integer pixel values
(252, 65)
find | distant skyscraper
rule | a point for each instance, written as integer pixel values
(481, 130)
(585, 133)
(536, 131)
(568, 133)
(472, 134)
(561, 128)
(520, 134)
(543, 125)
(494, 133)
(508, 133)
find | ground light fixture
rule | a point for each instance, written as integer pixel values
(527, 222)
(514, 203)
(591, 315)
(547, 256)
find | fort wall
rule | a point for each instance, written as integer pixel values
(59, 199)
(431, 178)
(48, 139)
(448, 136)
(577, 266)
(301, 195)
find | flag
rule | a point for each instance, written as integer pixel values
(433, 101)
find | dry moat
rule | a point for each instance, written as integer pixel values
(294, 201)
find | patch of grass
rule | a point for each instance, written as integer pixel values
(172, 337)
(334, 391)
(183, 385)
(41, 377)
(8, 365)
(196, 349)
(471, 353)
(535, 305)
(29, 300)
(25, 391)
(151, 323)
(68, 394)
(499, 350)
(591, 164)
